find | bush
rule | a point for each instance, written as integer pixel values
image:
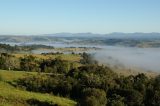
(116, 100)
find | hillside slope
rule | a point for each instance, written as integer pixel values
(11, 96)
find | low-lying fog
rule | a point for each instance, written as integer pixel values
(130, 57)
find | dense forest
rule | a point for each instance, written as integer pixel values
(89, 84)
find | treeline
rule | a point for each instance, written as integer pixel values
(16, 48)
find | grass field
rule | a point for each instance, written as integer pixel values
(11, 96)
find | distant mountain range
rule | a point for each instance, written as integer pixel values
(65, 34)
(110, 35)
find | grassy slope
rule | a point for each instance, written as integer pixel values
(11, 96)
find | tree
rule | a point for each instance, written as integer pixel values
(116, 100)
(28, 63)
(93, 97)
(9, 62)
(152, 97)
(87, 59)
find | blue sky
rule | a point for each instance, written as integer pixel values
(96, 16)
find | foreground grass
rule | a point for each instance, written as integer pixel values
(11, 96)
